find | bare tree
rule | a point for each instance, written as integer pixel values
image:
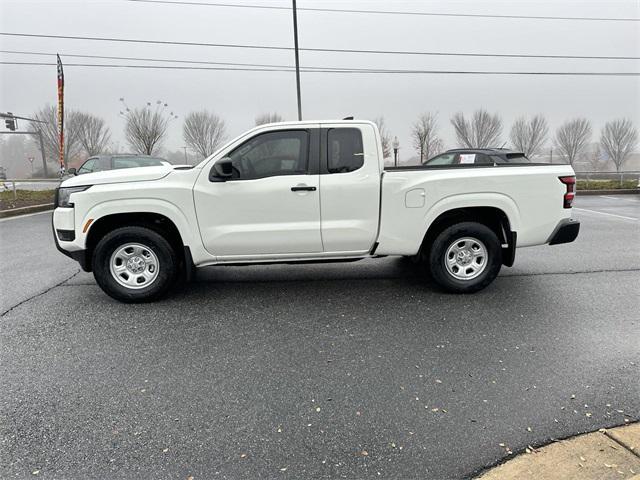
(529, 136)
(482, 131)
(268, 118)
(385, 136)
(146, 127)
(49, 131)
(93, 134)
(203, 132)
(595, 158)
(618, 139)
(573, 137)
(424, 134)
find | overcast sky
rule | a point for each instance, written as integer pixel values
(239, 96)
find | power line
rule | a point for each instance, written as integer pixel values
(318, 70)
(387, 12)
(253, 66)
(331, 50)
(171, 60)
(152, 67)
(167, 60)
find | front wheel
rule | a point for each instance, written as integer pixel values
(465, 257)
(134, 264)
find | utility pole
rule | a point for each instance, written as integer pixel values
(295, 43)
(45, 173)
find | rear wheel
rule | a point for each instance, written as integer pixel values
(134, 264)
(465, 257)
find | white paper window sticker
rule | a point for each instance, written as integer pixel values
(467, 158)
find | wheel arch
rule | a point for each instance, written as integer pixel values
(157, 222)
(494, 217)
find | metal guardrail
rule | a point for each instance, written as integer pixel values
(15, 181)
(620, 176)
(588, 176)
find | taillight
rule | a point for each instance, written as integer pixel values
(570, 194)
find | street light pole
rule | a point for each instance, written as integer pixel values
(396, 147)
(295, 43)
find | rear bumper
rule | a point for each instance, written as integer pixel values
(565, 232)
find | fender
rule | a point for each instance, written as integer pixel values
(142, 205)
(406, 238)
(496, 200)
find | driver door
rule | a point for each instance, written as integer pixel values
(271, 204)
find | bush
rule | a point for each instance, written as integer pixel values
(24, 198)
(605, 184)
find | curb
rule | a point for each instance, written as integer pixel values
(621, 191)
(604, 454)
(13, 212)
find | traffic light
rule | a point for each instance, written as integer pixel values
(11, 123)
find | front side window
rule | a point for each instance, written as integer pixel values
(272, 154)
(344, 150)
(102, 164)
(88, 166)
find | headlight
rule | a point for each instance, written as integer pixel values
(64, 194)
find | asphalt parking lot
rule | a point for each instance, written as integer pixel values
(357, 370)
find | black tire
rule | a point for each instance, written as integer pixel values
(166, 258)
(438, 257)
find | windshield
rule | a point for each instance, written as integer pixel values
(133, 162)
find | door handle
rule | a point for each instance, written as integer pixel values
(303, 188)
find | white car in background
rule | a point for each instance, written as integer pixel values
(101, 163)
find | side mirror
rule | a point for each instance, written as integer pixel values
(222, 170)
(72, 171)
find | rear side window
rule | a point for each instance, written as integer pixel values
(510, 158)
(517, 158)
(481, 158)
(344, 150)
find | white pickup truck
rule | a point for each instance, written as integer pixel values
(306, 192)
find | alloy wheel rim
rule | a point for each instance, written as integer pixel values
(134, 266)
(466, 258)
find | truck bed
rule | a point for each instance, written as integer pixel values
(531, 196)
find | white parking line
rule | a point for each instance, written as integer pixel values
(608, 214)
(618, 198)
(17, 217)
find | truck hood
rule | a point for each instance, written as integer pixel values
(139, 174)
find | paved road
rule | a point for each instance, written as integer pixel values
(353, 370)
(30, 262)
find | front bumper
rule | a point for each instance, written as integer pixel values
(565, 232)
(79, 256)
